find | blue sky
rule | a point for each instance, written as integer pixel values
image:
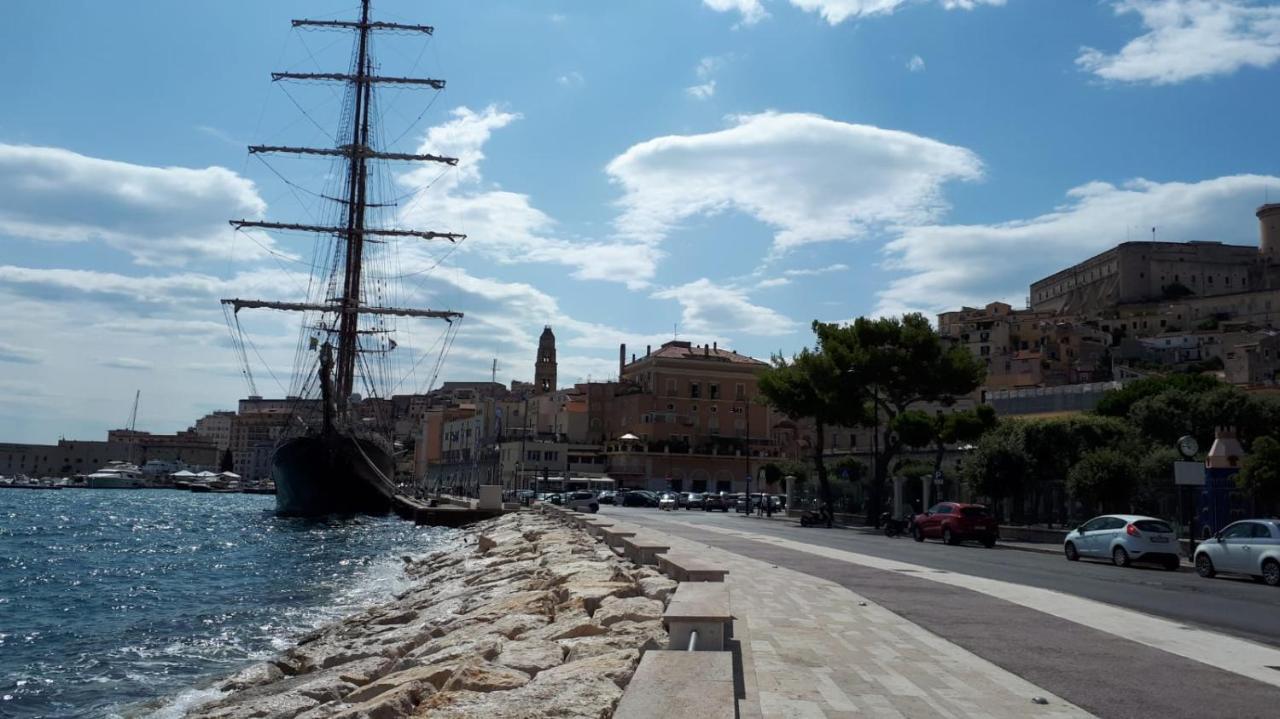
(727, 169)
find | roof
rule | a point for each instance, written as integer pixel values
(680, 349)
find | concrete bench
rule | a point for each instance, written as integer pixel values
(680, 685)
(644, 548)
(614, 535)
(688, 568)
(595, 527)
(701, 607)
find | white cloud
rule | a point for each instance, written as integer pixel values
(773, 282)
(752, 11)
(131, 363)
(18, 355)
(505, 226)
(1187, 39)
(711, 309)
(703, 91)
(811, 178)
(837, 11)
(948, 266)
(838, 267)
(157, 215)
(706, 70)
(915, 64)
(571, 79)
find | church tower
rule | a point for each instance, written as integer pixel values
(544, 372)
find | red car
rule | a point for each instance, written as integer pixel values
(953, 522)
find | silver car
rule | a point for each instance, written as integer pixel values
(1124, 539)
(1250, 546)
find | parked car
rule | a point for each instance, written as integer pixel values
(582, 501)
(1124, 539)
(1250, 546)
(606, 497)
(744, 504)
(693, 499)
(639, 498)
(953, 522)
(711, 501)
(669, 501)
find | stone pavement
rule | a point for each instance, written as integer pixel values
(813, 649)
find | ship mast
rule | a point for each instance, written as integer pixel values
(358, 152)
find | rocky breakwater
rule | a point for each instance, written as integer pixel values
(524, 617)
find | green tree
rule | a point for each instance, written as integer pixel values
(1104, 480)
(918, 430)
(1117, 402)
(998, 466)
(1155, 478)
(1260, 476)
(896, 363)
(227, 462)
(810, 386)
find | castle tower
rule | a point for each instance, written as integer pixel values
(544, 372)
(1269, 225)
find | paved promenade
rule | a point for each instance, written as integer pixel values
(836, 623)
(812, 649)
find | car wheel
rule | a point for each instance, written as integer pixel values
(1204, 566)
(989, 542)
(1069, 549)
(1172, 564)
(594, 508)
(917, 534)
(1271, 573)
(1119, 557)
(948, 537)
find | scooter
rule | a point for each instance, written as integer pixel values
(896, 527)
(813, 518)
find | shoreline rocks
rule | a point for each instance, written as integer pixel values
(521, 618)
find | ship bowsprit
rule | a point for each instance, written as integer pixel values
(317, 475)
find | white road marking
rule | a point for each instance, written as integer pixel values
(1222, 651)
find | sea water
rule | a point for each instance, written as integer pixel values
(126, 602)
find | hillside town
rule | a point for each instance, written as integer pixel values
(689, 417)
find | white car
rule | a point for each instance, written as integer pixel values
(582, 502)
(1250, 546)
(668, 501)
(1124, 538)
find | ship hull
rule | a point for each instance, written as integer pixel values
(316, 475)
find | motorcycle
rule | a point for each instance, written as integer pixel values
(813, 518)
(896, 527)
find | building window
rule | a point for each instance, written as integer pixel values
(984, 350)
(671, 388)
(713, 390)
(695, 390)
(533, 456)
(740, 392)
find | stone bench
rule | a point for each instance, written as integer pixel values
(701, 607)
(595, 527)
(614, 535)
(680, 685)
(644, 548)
(688, 568)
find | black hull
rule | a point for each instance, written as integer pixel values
(318, 475)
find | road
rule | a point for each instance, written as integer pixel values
(1235, 606)
(1170, 650)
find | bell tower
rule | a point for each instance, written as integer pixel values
(544, 372)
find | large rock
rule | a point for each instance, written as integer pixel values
(276, 706)
(591, 698)
(615, 666)
(641, 636)
(531, 655)
(398, 702)
(433, 675)
(630, 609)
(575, 626)
(363, 671)
(589, 595)
(500, 538)
(252, 676)
(659, 588)
(485, 677)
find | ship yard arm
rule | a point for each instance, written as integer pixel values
(239, 304)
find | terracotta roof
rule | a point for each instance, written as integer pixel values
(677, 349)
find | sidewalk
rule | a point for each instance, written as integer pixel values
(812, 649)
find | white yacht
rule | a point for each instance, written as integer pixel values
(117, 475)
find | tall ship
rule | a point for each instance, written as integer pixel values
(336, 454)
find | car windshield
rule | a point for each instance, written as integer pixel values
(1153, 525)
(974, 512)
